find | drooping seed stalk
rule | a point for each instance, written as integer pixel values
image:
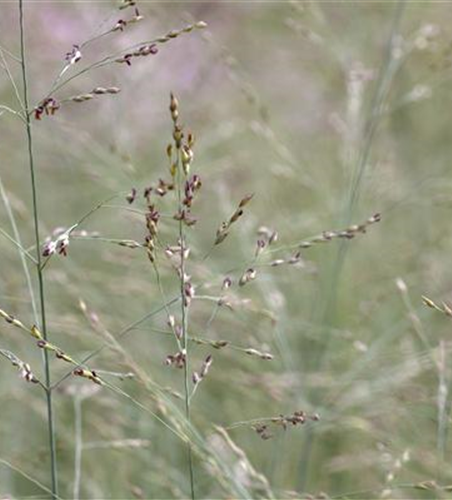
(48, 391)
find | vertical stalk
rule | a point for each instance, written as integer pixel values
(48, 391)
(184, 322)
(78, 446)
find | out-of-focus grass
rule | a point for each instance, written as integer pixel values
(279, 96)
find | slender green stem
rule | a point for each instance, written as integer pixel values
(184, 323)
(48, 391)
(78, 446)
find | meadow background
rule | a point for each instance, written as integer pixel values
(329, 112)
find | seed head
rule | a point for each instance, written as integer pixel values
(249, 275)
(227, 283)
(244, 201)
(74, 55)
(174, 107)
(34, 330)
(131, 196)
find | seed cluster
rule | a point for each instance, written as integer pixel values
(95, 92)
(59, 245)
(24, 368)
(266, 238)
(223, 230)
(33, 331)
(143, 51)
(192, 186)
(247, 276)
(197, 377)
(177, 360)
(44, 344)
(126, 4)
(73, 56)
(48, 107)
(297, 418)
(443, 308)
(122, 23)
(347, 233)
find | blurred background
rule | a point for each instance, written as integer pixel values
(329, 112)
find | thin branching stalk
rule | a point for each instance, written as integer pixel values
(184, 322)
(25, 475)
(442, 394)
(22, 254)
(112, 58)
(11, 79)
(107, 344)
(23, 251)
(48, 391)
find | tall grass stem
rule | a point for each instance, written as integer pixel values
(184, 324)
(48, 391)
